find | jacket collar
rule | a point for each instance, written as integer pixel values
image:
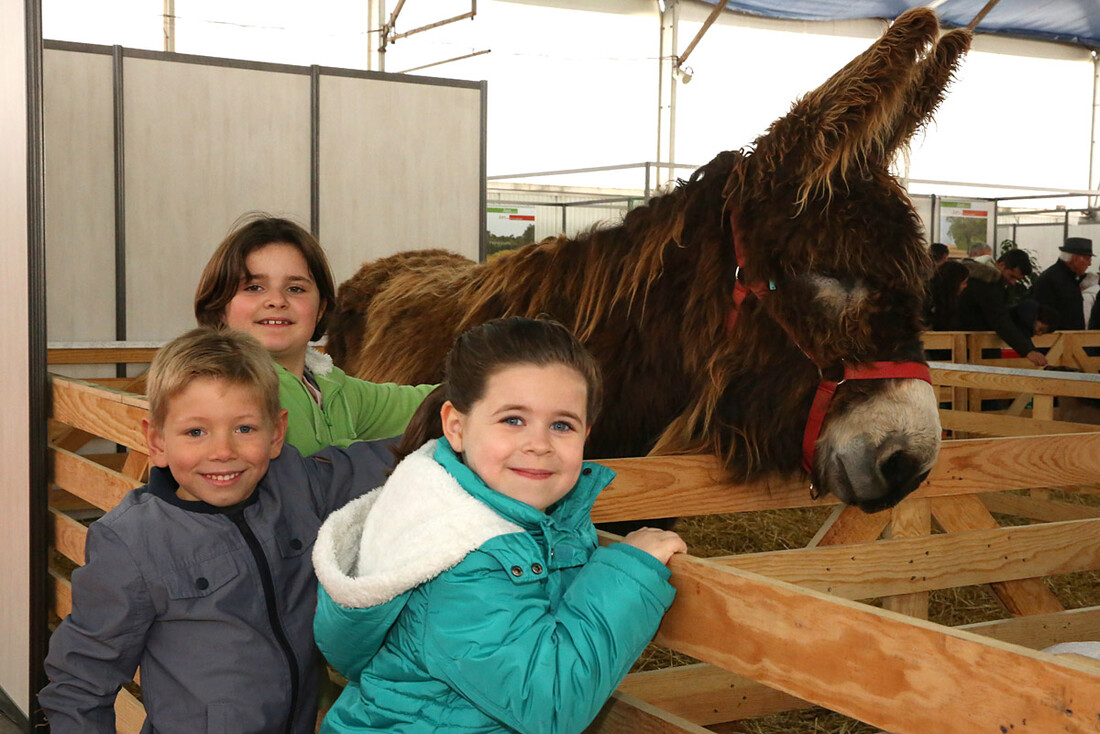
(576, 505)
(318, 363)
(163, 486)
(418, 525)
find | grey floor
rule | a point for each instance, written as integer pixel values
(7, 726)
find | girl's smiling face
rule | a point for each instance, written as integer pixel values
(278, 303)
(525, 437)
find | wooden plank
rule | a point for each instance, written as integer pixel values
(133, 355)
(101, 412)
(944, 340)
(680, 486)
(1042, 408)
(944, 561)
(979, 340)
(129, 713)
(911, 518)
(96, 484)
(904, 675)
(62, 594)
(1036, 509)
(136, 465)
(1074, 384)
(629, 715)
(1025, 596)
(114, 460)
(850, 525)
(997, 424)
(705, 694)
(68, 502)
(1038, 631)
(68, 536)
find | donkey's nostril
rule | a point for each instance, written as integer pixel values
(902, 472)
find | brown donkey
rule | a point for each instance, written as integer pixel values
(726, 313)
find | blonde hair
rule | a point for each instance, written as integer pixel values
(211, 352)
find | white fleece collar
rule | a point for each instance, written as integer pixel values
(317, 362)
(418, 525)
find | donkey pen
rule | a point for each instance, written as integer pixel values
(777, 629)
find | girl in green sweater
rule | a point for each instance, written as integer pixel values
(271, 279)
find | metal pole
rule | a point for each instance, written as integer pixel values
(315, 151)
(698, 36)
(38, 388)
(666, 89)
(675, 4)
(1093, 183)
(120, 202)
(169, 25)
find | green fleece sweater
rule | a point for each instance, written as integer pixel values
(351, 409)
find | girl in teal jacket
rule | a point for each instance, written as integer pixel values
(271, 279)
(469, 592)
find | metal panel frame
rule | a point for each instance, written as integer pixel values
(119, 54)
(38, 593)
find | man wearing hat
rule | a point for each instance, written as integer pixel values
(1059, 286)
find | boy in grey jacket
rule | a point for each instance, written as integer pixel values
(203, 576)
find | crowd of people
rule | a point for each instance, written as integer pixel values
(980, 293)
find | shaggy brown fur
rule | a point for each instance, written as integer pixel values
(650, 297)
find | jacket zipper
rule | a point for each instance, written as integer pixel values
(272, 609)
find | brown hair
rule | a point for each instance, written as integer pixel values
(486, 349)
(218, 353)
(222, 276)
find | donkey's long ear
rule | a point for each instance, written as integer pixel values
(848, 120)
(927, 87)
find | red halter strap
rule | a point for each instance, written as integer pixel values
(741, 291)
(826, 388)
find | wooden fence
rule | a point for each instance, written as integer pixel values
(777, 630)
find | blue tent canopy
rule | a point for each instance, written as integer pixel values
(1067, 21)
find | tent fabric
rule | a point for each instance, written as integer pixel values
(1066, 21)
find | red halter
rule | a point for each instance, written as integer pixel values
(826, 388)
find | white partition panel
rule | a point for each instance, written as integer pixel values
(203, 145)
(16, 420)
(378, 162)
(399, 169)
(80, 184)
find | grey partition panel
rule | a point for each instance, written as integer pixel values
(400, 168)
(79, 155)
(204, 144)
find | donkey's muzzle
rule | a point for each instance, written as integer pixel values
(876, 475)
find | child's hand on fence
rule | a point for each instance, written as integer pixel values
(661, 544)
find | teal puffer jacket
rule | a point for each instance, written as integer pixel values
(451, 607)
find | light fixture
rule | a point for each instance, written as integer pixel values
(683, 73)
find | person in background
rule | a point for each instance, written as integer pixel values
(469, 593)
(1090, 286)
(1059, 286)
(939, 253)
(980, 252)
(983, 305)
(1034, 318)
(944, 291)
(270, 278)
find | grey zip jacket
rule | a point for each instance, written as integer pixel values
(214, 604)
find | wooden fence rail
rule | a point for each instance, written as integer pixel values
(781, 630)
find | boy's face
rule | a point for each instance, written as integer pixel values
(217, 441)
